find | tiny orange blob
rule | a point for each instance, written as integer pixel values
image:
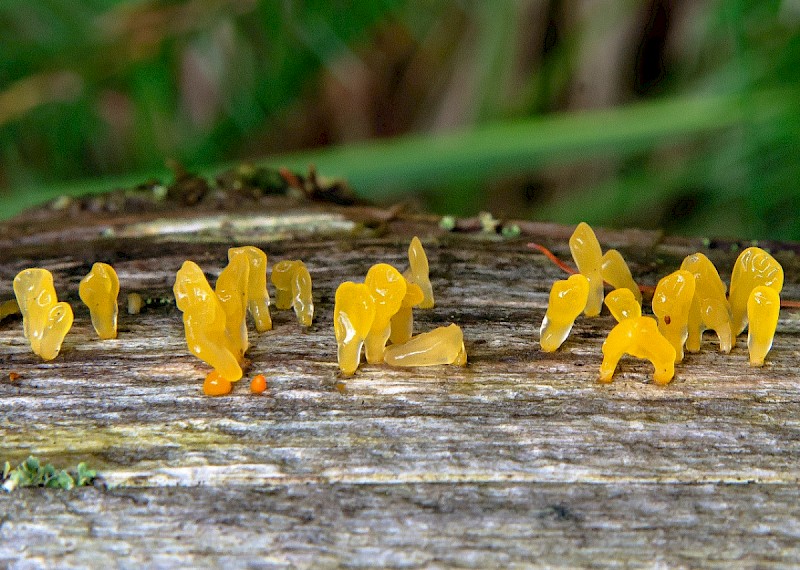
(258, 384)
(12, 376)
(216, 385)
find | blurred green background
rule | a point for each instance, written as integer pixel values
(681, 114)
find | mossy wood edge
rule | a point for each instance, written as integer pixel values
(520, 458)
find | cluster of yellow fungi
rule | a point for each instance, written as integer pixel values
(215, 320)
(46, 321)
(370, 314)
(685, 303)
(378, 312)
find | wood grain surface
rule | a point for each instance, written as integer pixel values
(520, 459)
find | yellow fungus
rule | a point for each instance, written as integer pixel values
(763, 308)
(671, 303)
(623, 304)
(388, 289)
(640, 338)
(302, 298)
(282, 280)
(589, 257)
(45, 321)
(461, 357)
(135, 303)
(353, 313)
(753, 267)
(204, 321)
(402, 323)
(567, 300)
(99, 291)
(293, 289)
(231, 290)
(7, 308)
(418, 272)
(709, 309)
(35, 294)
(443, 345)
(216, 385)
(616, 272)
(257, 295)
(59, 321)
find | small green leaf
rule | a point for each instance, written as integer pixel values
(85, 476)
(62, 480)
(32, 464)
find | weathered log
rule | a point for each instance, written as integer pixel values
(520, 458)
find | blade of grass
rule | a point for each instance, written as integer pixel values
(381, 169)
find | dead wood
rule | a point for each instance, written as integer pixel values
(521, 458)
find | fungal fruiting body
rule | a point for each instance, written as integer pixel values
(216, 385)
(402, 323)
(419, 273)
(763, 308)
(205, 321)
(671, 303)
(258, 384)
(623, 305)
(567, 301)
(388, 289)
(353, 313)
(231, 290)
(135, 303)
(616, 272)
(293, 289)
(45, 320)
(589, 258)
(99, 291)
(257, 295)
(639, 337)
(7, 308)
(443, 345)
(753, 267)
(710, 308)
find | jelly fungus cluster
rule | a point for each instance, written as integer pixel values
(377, 315)
(685, 303)
(46, 321)
(370, 314)
(215, 320)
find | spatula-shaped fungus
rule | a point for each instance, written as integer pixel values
(616, 272)
(443, 345)
(709, 309)
(257, 294)
(589, 258)
(419, 272)
(388, 289)
(99, 291)
(671, 303)
(763, 308)
(293, 289)
(402, 323)
(753, 267)
(623, 305)
(567, 300)
(205, 321)
(353, 314)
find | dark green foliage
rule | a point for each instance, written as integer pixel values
(702, 137)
